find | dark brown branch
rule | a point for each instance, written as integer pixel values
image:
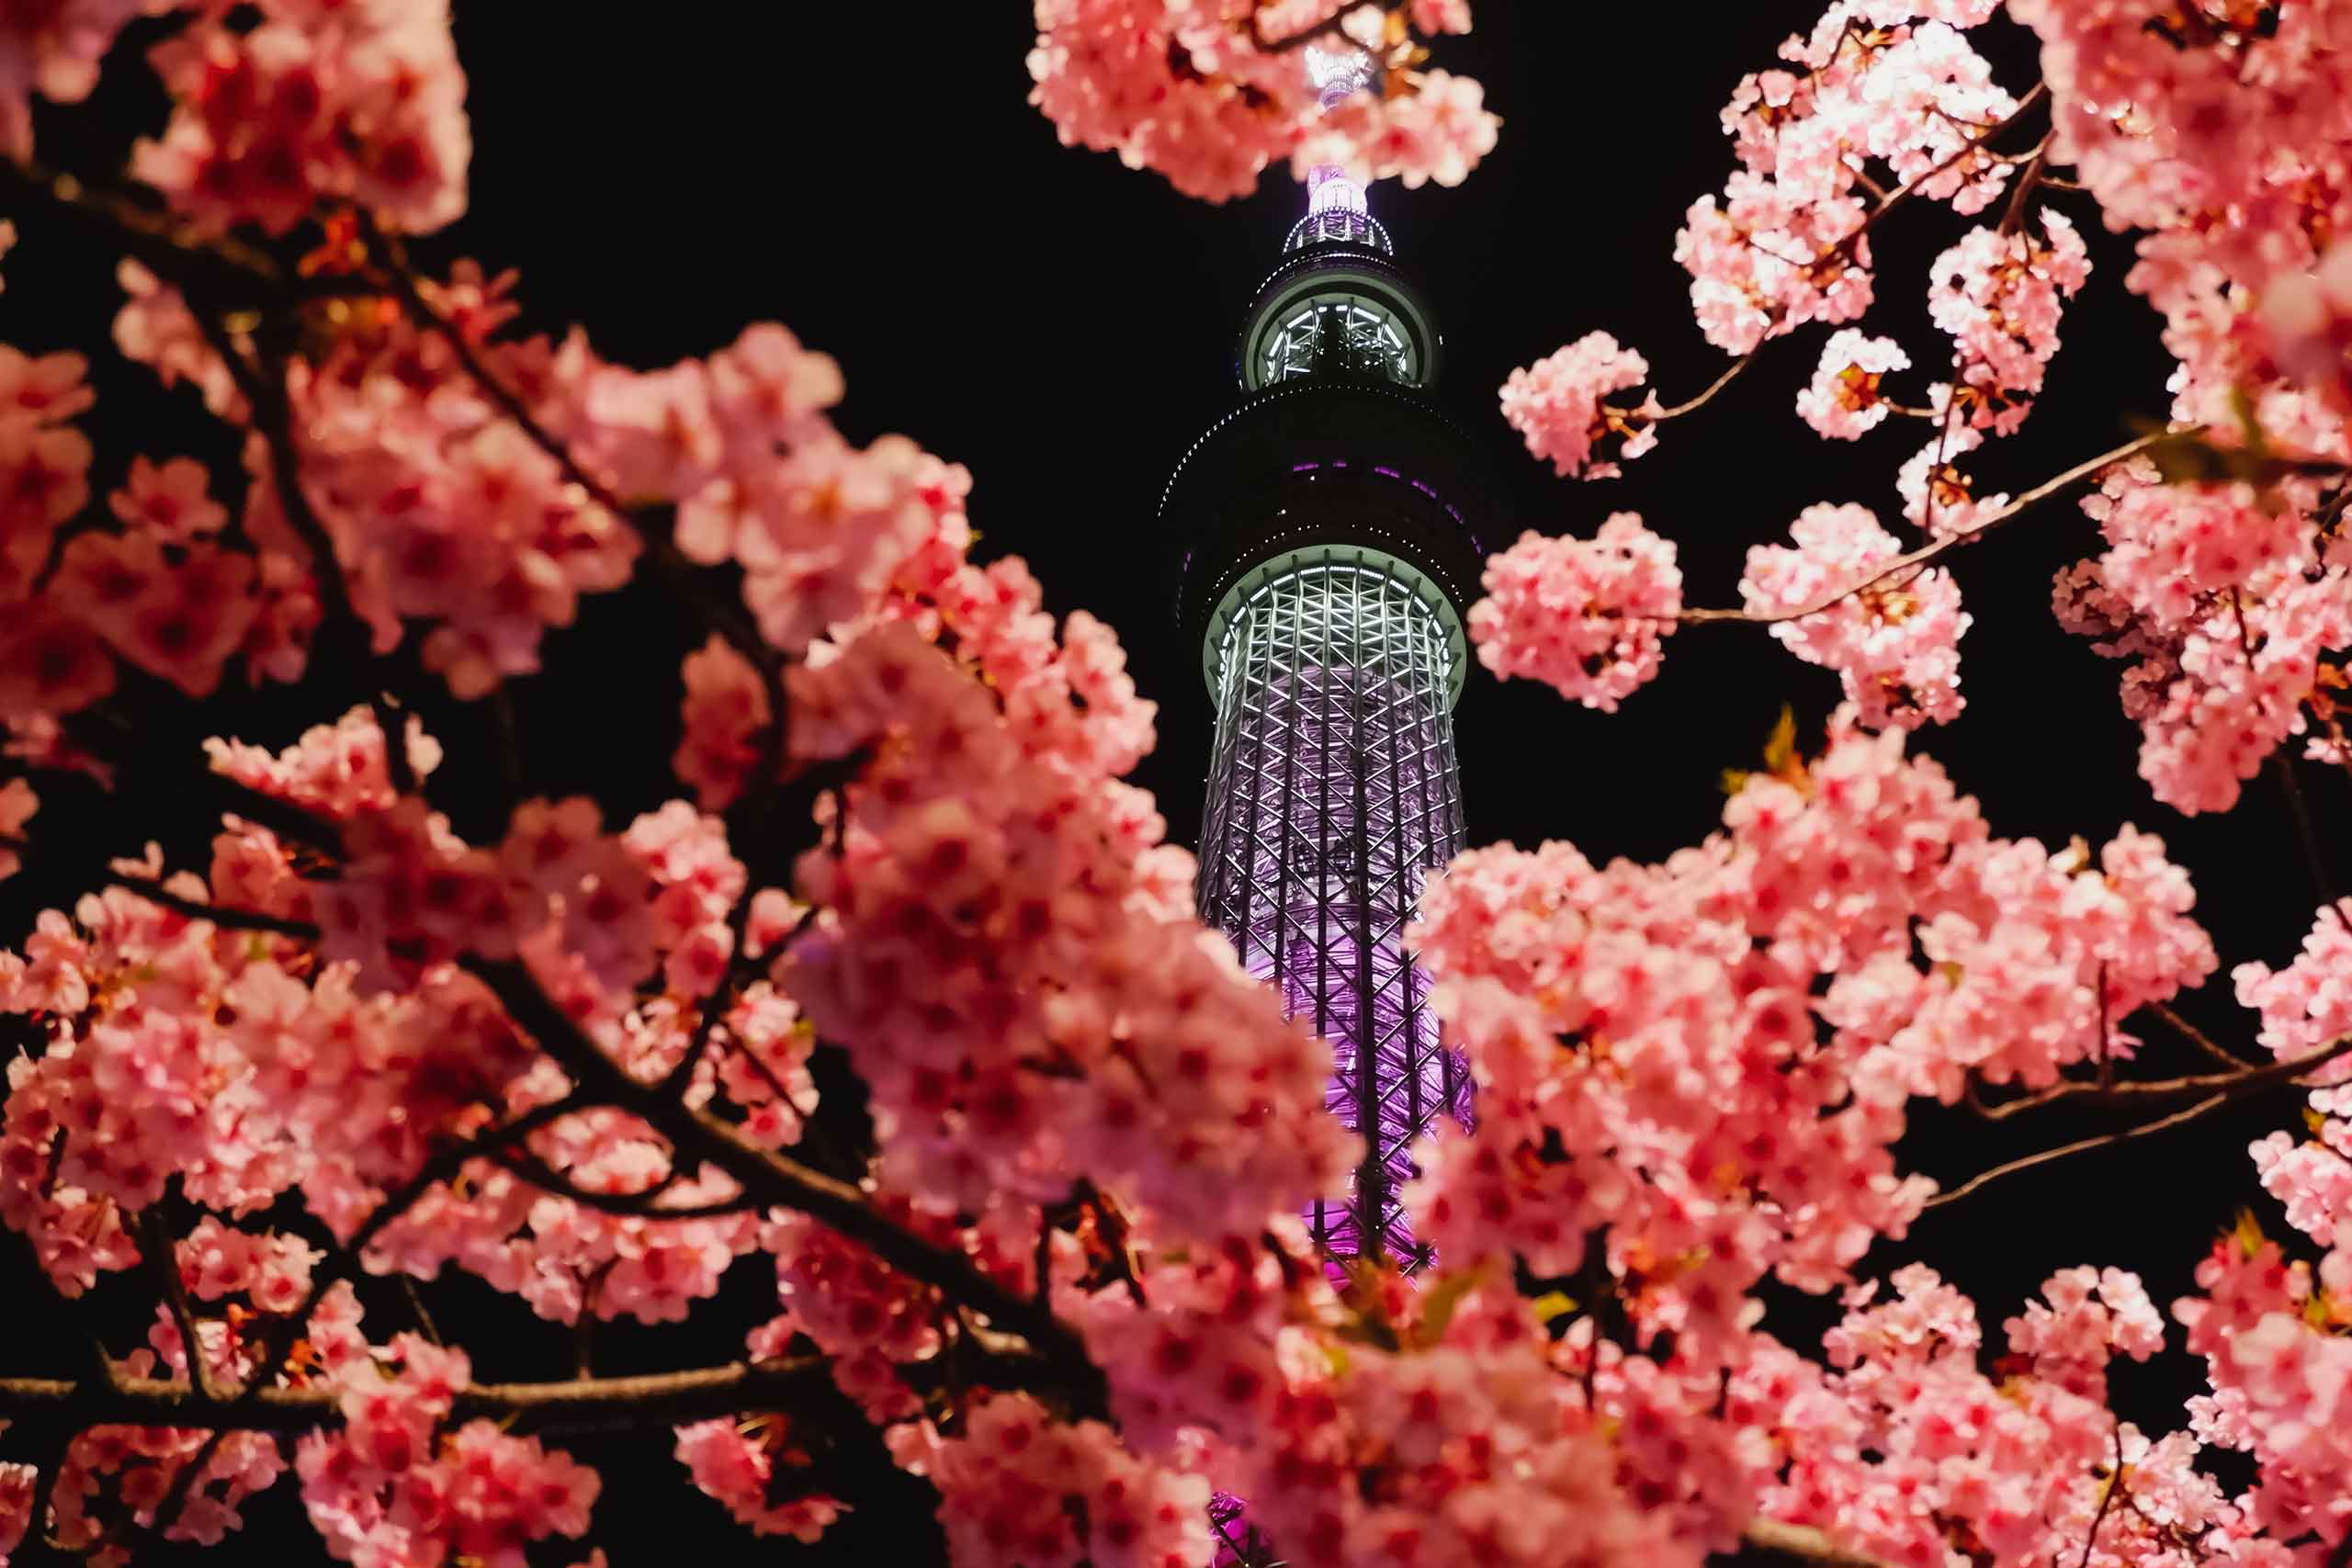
(738, 919)
(645, 1205)
(1936, 548)
(162, 1258)
(264, 389)
(2080, 1145)
(227, 920)
(772, 1177)
(680, 574)
(1690, 405)
(2013, 218)
(576, 1403)
(1769, 1540)
(2197, 1036)
(2299, 810)
(2243, 1080)
(2107, 1500)
(220, 266)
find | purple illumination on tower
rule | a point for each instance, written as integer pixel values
(1331, 528)
(1332, 794)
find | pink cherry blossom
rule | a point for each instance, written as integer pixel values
(1208, 97)
(739, 1469)
(1998, 295)
(1587, 617)
(360, 103)
(172, 498)
(1845, 397)
(54, 50)
(18, 804)
(1556, 405)
(1895, 641)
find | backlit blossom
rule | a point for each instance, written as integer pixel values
(1893, 639)
(1846, 396)
(1556, 404)
(1587, 617)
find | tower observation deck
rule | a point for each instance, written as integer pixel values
(1330, 526)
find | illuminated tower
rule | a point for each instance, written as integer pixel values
(1330, 524)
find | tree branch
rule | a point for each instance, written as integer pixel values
(1936, 548)
(644, 1205)
(574, 1405)
(1769, 1540)
(227, 920)
(681, 575)
(771, 1178)
(2081, 1145)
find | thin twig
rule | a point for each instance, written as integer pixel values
(2197, 1036)
(1731, 374)
(771, 1178)
(2305, 833)
(164, 1259)
(2081, 1145)
(1932, 550)
(226, 919)
(644, 1205)
(2107, 1500)
(681, 1078)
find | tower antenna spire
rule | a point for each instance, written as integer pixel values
(1336, 211)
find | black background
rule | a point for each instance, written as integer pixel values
(871, 176)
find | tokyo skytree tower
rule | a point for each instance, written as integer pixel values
(1331, 526)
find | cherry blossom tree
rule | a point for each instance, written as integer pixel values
(900, 998)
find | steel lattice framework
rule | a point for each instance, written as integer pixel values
(1333, 792)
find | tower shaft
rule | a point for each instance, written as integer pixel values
(1329, 527)
(1332, 792)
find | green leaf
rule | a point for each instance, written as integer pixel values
(1552, 1304)
(1781, 748)
(1440, 1300)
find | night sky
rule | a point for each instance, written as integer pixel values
(872, 177)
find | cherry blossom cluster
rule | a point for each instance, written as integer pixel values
(567, 1261)
(1847, 395)
(438, 506)
(1908, 1450)
(395, 1486)
(1894, 640)
(1556, 405)
(2272, 1335)
(1879, 104)
(1998, 294)
(1785, 246)
(1007, 952)
(735, 1462)
(17, 804)
(1208, 95)
(2303, 1008)
(114, 1469)
(51, 659)
(2227, 602)
(54, 50)
(1398, 1425)
(1706, 1063)
(2234, 153)
(314, 103)
(1016, 1485)
(1587, 617)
